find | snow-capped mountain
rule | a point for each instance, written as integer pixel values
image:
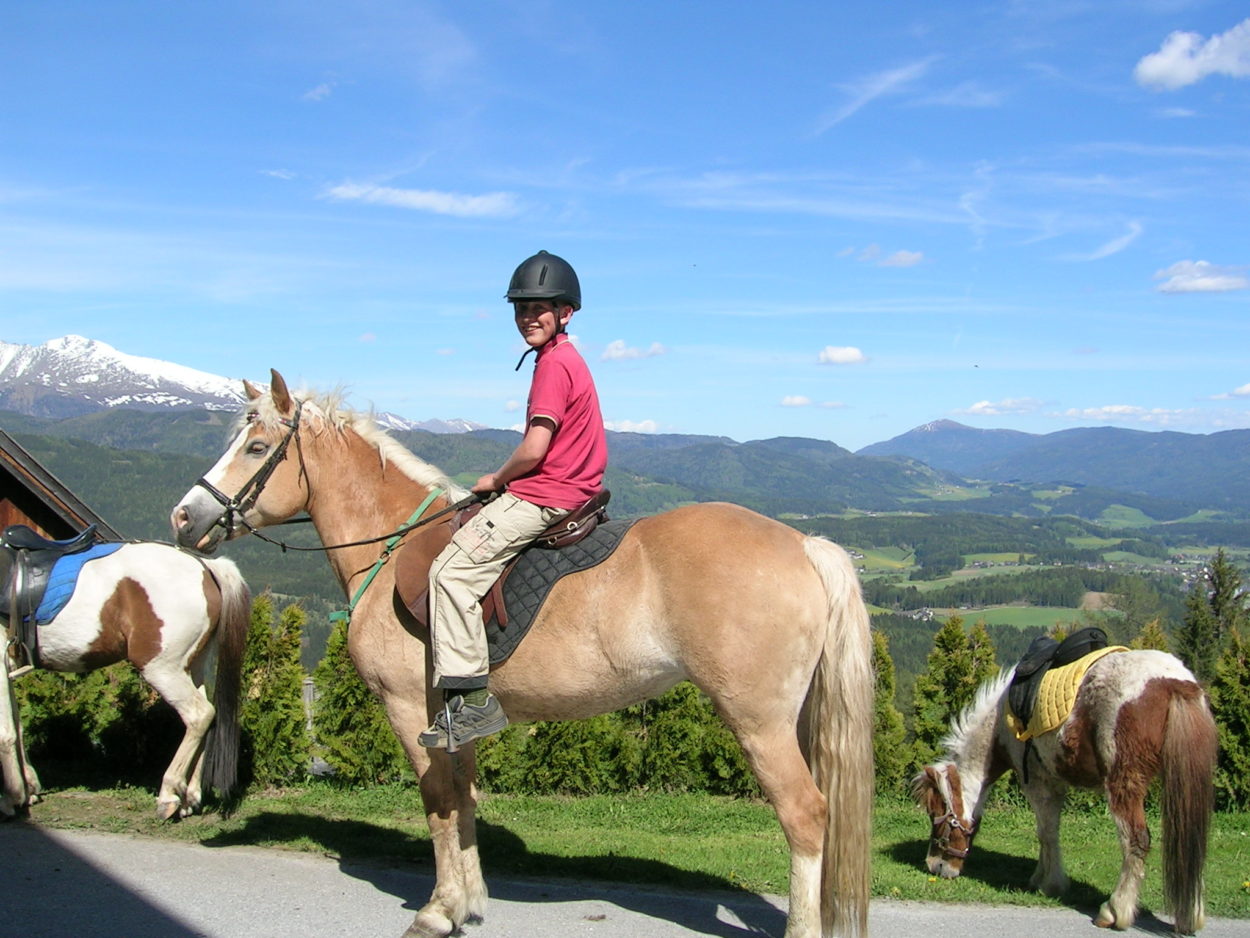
(72, 375)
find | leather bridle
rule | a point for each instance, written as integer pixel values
(947, 825)
(249, 494)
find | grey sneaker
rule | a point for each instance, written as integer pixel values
(468, 722)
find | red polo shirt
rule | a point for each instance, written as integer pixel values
(563, 391)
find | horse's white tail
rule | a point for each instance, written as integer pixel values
(840, 710)
(1189, 754)
(221, 755)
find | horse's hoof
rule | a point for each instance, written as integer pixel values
(167, 809)
(426, 925)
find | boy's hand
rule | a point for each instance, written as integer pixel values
(487, 484)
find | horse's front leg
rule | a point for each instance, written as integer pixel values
(1128, 807)
(450, 799)
(1047, 800)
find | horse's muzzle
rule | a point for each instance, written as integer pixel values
(202, 534)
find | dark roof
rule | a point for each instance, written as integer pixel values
(50, 490)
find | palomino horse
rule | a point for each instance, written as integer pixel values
(769, 623)
(163, 610)
(1137, 714)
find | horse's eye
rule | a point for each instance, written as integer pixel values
(257, 447)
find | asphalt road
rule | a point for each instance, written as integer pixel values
(58, 883)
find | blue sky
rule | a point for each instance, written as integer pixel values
(832, 220)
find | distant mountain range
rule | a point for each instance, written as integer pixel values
(80, 389)
(73, 376)
(1212, 470)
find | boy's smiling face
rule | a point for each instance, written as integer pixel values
(538, 321)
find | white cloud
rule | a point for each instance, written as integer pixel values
(1201, 277)
(1243, 391)
(367, 337)
(492, 204)
(512, 406)
(1116, 245)
(631, 426)
(902, 259)
(322, 91)
(617, 350)
(841, 355)
(284, 174)
(1129, 413)
(1186, 58)
(1010, 405)
(800, 400)
(871, 87)
(966, 94)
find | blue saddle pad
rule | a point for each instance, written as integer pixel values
(64, 578)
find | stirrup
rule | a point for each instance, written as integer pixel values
(22, 653)
(452, 748)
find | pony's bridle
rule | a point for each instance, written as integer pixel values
(947, 825)
(249, 494)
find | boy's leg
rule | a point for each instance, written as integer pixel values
(459, 577)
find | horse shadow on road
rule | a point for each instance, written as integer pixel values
(403, 865)
(1008, 873)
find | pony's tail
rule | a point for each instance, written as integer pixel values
(839, 744)
(221, 755)
(1188, 764)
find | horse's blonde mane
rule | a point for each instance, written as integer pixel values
(978, 713)
(326, 411)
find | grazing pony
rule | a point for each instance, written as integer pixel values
(1137, 714)
(162, 609)
(770, 623)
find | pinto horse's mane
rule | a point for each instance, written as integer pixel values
(326, 411)
(978, 713)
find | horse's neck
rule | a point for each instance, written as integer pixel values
(974, 752)
(355, 497)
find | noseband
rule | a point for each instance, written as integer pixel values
(248, 495)
(946, 825)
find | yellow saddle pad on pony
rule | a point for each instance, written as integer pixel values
(1057, 695)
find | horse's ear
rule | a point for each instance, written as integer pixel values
(250, 390)
(277, 389)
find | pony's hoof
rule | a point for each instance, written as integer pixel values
(167, 809)
(428, 925)
(1106, 918)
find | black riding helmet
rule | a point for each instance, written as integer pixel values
(545, 277)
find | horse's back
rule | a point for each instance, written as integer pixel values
(136, 603)
(699, 592)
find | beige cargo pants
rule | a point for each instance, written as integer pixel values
(464, 572)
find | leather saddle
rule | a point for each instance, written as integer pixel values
(26, 562)
(579, 540)
(1043, 654)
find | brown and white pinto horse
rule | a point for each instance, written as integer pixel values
(771, 624)
(1137, 714)
(163, 610)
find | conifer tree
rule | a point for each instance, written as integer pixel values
(956, 668)
(350, 723)
(891, 753)
(275, 736)
(1214, 608)
(1230, 704)
(1151, 636)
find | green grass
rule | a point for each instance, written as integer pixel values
(695, 842)
(1020, 616)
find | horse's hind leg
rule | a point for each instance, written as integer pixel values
(180, 793)
(778, 762)
(1127, 800)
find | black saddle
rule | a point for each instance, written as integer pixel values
(26, 562)
(1043, 654)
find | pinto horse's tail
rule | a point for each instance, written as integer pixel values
(839, 744)
(221, 755)
(1189, 754)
